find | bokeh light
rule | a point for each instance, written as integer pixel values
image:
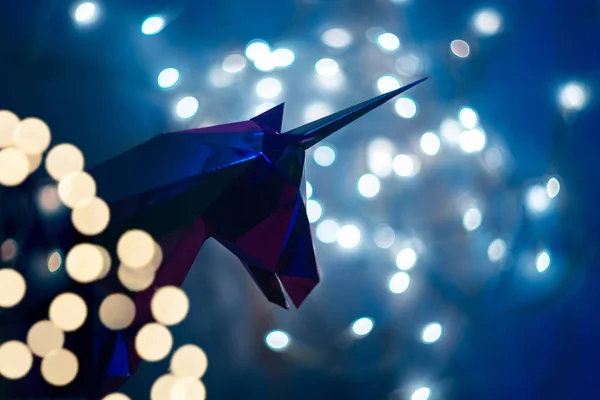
(368, 185)
(384, 236)
(542, 261)
(348, 236)
(460, 48)
(86, 13)
(277, 340)
(472, 141)
(406, 258)
(257, 49)
(431, 333)
(537, 199)
(189, 361)
(472, 219)
(168, 77)
(430, 143)
(153, 25)
(421, 394)
(44, 337)
(327, 67)
(12, 286)
(552, 187)
(380, 154)
(496, 250)
(15, 359)
(327, 231)
(313, 210)
(60, 367)
(362, 326)
(468, 117)
(234, 63)
(572, 96)
(406, 107)
(284, 57)
(387, 83)
(487, 22)
(336, 37)
(68, 311)
(169, 305)
(388, 41)
(324, 156)
(187, 107)
(117, 311)
(399, 282)
(32, 136)
(268, 88)
(153, 342)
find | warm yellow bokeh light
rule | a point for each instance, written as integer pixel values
(68, 311)
(12, 287)
(169, 305)
(32, 135)
(188, 389)
(60, 367)
(15, 360)
(76, 188)
(85, 263)
(106, 262)
(157, 259)
(8, 124)
(162, 389)
(136, 249)
(153, 342)
(135, 280)
(14, 166)
(116, 396)
(44, 337)
(8, 250)
(189, 361)
(117, 311)
(64, 159)
(91, 217)
(34, 161)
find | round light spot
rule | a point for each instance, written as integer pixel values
(408, 65)
(368, 185)
(32, 136)
(313, 210)
(85, 13)
(324, 156)
(309, 190)
(537, 199)
(234, 63)
(348, 236)
(362, 326)
(284, 57)
(14, 166)
(277, 340)
(187, 107)
(136, 249)
(403, 165)
(268, 62)
(472, 141)
(316, 110)
(430, 143)
(384, 236)
(54, 261)
(421, 394)
(327, 231)
(153, 342)
(460, 48)
(406, 259)
(48, 200)
(8, 124)
(336, 37)
(573, 96)
(168, 77)
(153, 25)
(189, 361)
(85, 263)
(380, 153)
(496, 250)
(431, 333)
(327, 67)
(552, 187)
(76, 188)
(169, 305)
(12, 287)
(468, 117)
(117, 311)
(388, 41)
(188, 389)
(15, 360)
(91, 217)
(387, 83)
(450, 130)
(406, 107)
(68, 311)
(399, 282)
(60, 367)
(487, 22)
(64, 159)
(268, 88)
(542, 261)
(34, 161)
(472, 219)
(257, 49)
(220, 78)
(8, 250)
(135, 280)
(116, 396)
(44, 337)
(162, 388)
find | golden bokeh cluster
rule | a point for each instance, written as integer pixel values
(22, 145)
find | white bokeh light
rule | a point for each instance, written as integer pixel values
(153, 25)
(316, 111)
(387, 83)
(362, 326)
(430, 143)
(309, 190)
(380, 154)
(277, 340)
(284, 57)
(263, 107)
(572, 96)
(327, 231)
(384, 236)
(268, 88)
(487, 22)
(460, 48)
(496, 250)
(219, 78)
(268, 62)
(388, 41)
(86, 13)
(408, 65)
(187, 107)
(537, 199)
(406, 259)
(552, 187)
(336, 37)
(327, 67)
(406, 107)
(431, 333)
(324, 156)
(348, 236)
(234, 63)
(468, 117)
(472, 219)
(168, 77)
(257, 49)
(450, 130)
(421, 394)
(403, 165)
(399, 282)
(542, 261)
(368, 185)
(472, 141)
(313, 210)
